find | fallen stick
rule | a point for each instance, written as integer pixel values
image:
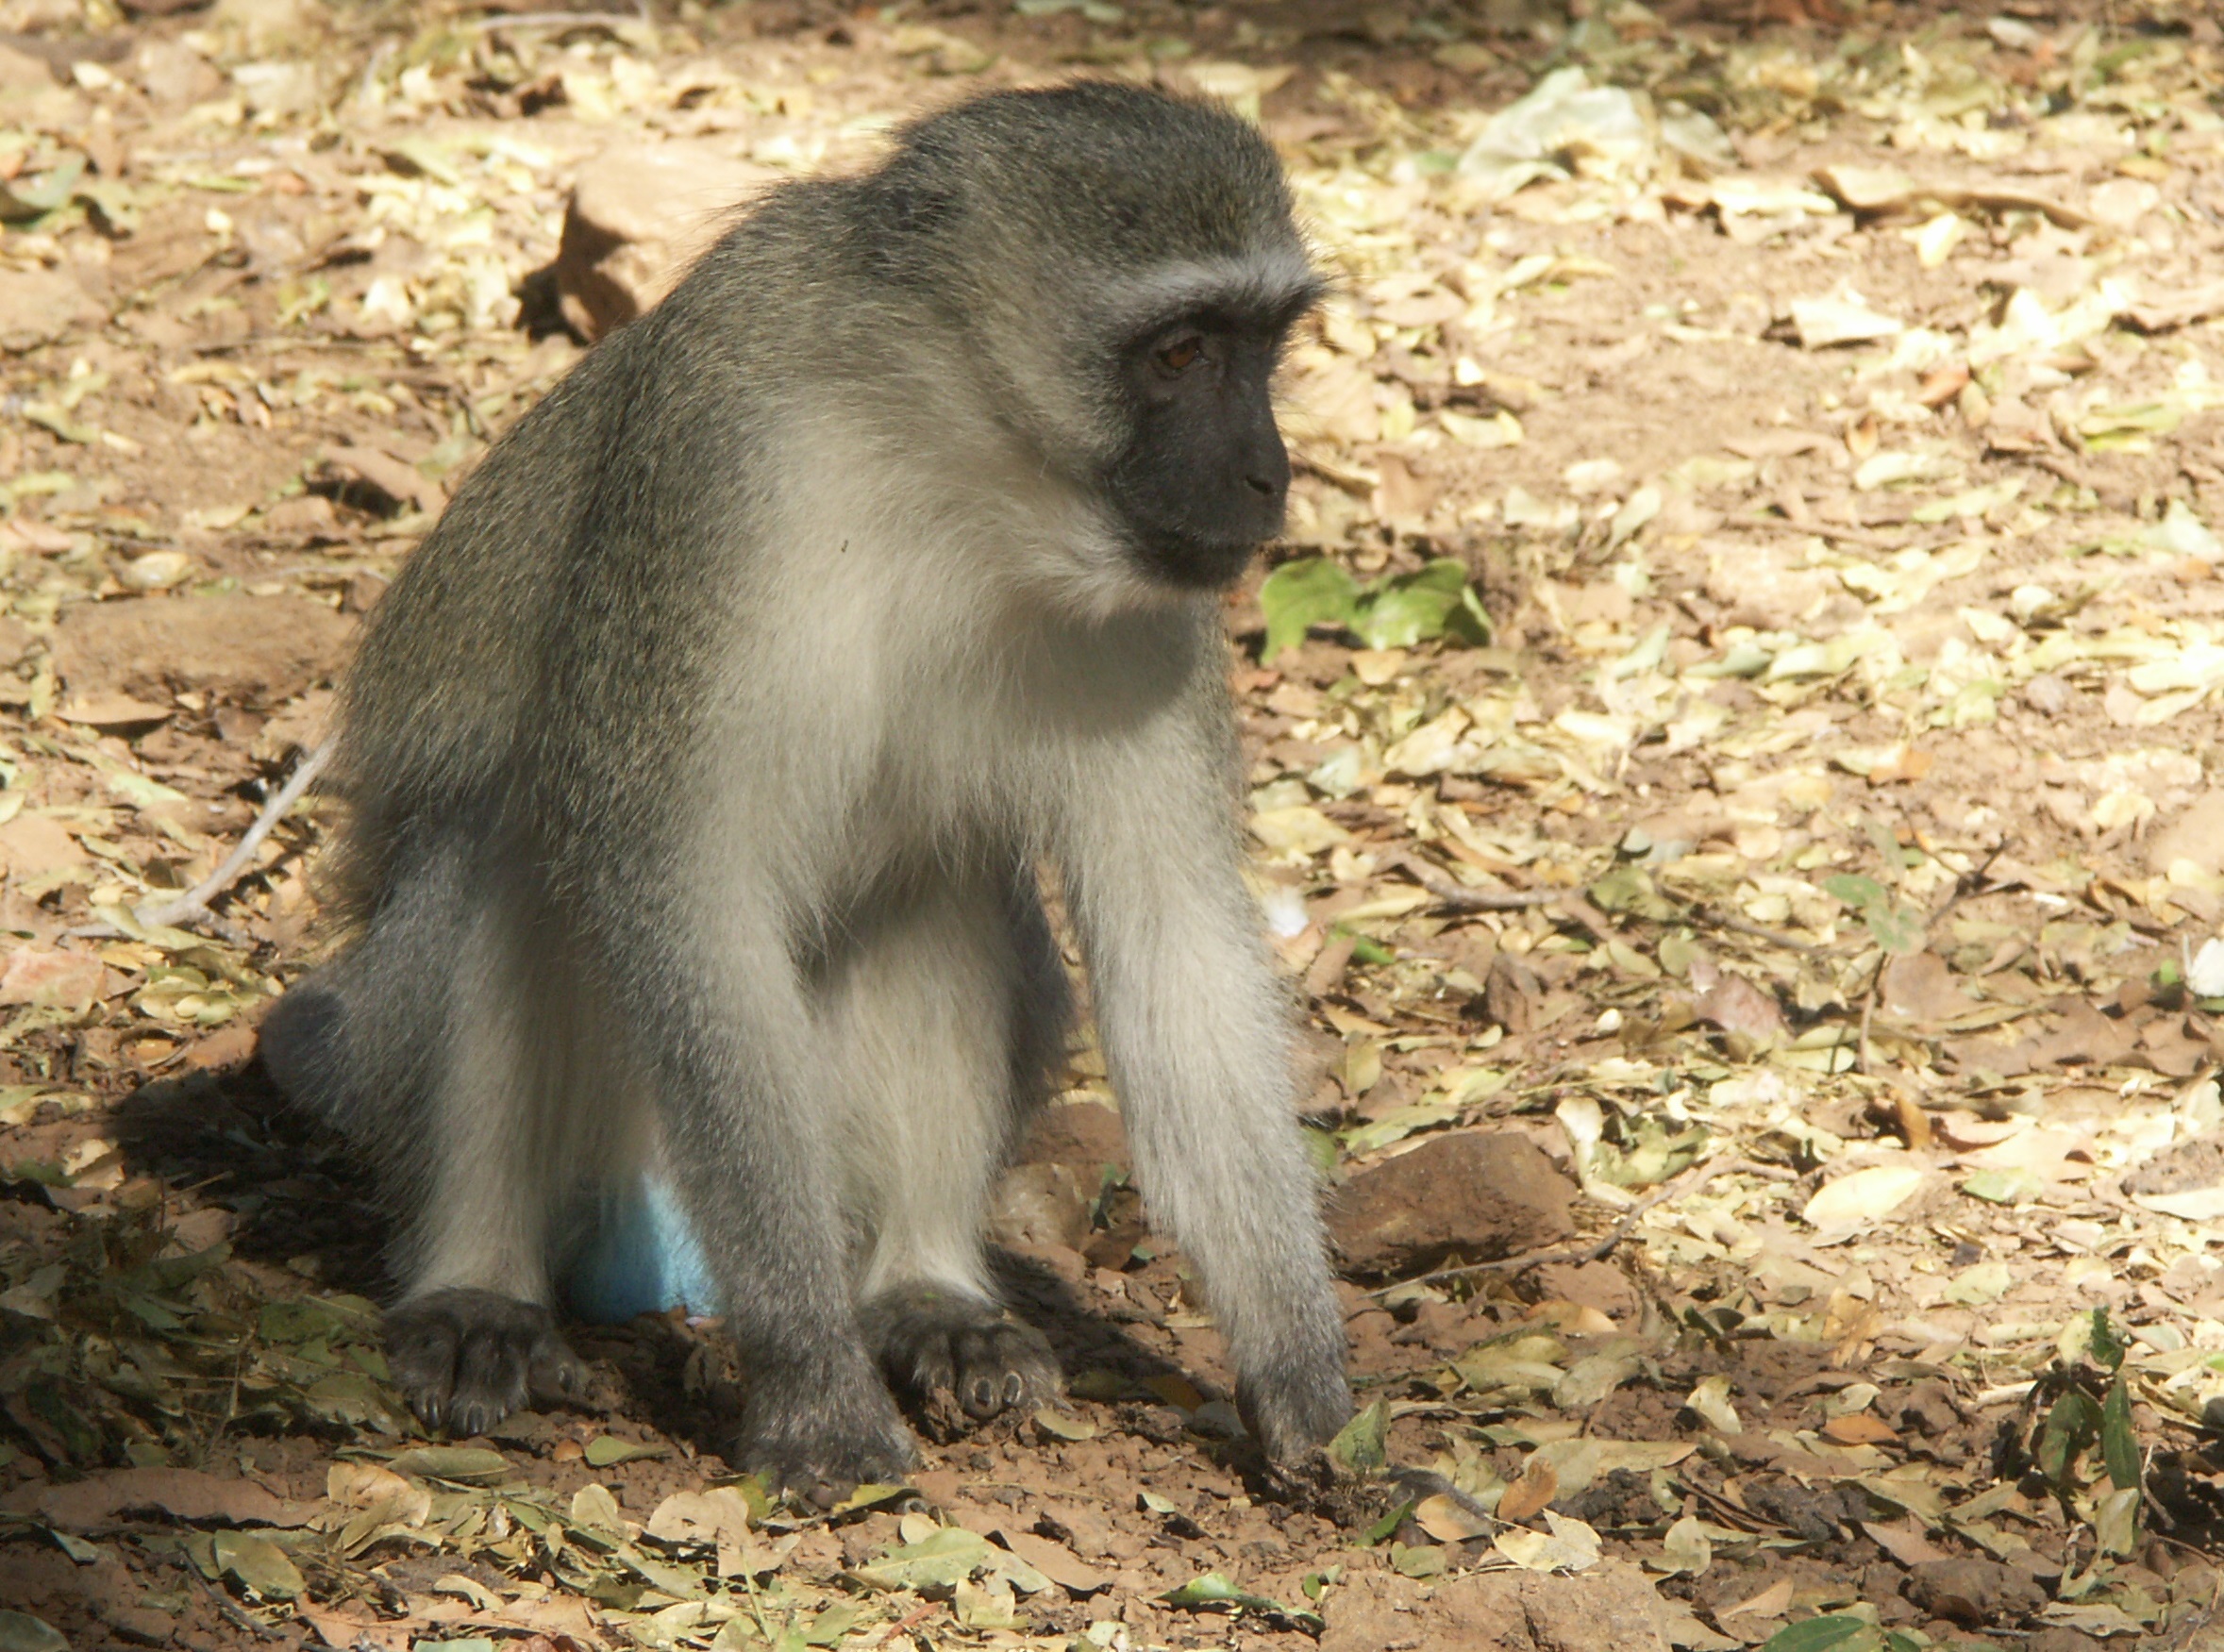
(193, 905)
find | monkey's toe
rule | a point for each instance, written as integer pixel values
(467, 1359)
(935, 1343)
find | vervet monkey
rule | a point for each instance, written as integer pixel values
(701, 762)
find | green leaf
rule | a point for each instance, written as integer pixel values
(1860, 893)
(2119, 1445)
(1898, 929)
(471, 1464)
(258, 1564)
(1386, 1528)
(2116, 1522)
(2071, 1424)
(1365, 949)
(1830, 1634)
(2003, 1187)
(2105, 1347)
(1627, 889)
(1886, 843)
(605, 1450)
(1214, 1592)
(1298, 596)
(937, 1561)
(1361, 1446)
(1421, 1560)
(1412, 608)
(870, 1495)
(1210, 1590)
(21, 1633)
(827, 1628)
(27, 197)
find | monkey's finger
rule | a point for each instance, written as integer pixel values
(423, 1361)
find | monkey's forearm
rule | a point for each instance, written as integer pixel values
(1194, 1030)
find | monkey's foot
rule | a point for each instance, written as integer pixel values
(941, 1346)
(809, 1429)
(467, 1359)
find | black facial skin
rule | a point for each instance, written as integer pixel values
(1205, 477)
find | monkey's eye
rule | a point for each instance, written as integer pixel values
(1182, 356)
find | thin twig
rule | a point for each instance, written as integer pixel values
(1491, 900)
(1483, 900)
(556, 19)
(1689, 1182)
(1868, 1011)
(917, 1615)
(1828, 530)
(193, 905)
(232, 1614)
(1712, 918)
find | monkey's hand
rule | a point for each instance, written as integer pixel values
(467, 1359)
(806, 1427)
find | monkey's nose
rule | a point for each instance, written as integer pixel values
(1263, 487)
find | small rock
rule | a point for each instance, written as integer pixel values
(365, 586)
(379, 481)
(255, 650)
(2047, 694)
(143, 1625)
(1474, 1194)
(2198, 836)
(2062, 1638)
(154, 571)
(1928, 1409)
(309, 515)
(1919, 987)
(31, 844)
(638, 215)
(2120, 203)
(1735, 1005)
(37, 306)
(69, 980)
(21, 1631)
(270, 26)
(173, 77)
(1084, 1134)
(1596, 1285)
(1974, 1592)
(21, 72)
(2182, 1167)
(1757, 590)
(1041, 1205)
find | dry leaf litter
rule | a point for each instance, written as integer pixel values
(1734, 765)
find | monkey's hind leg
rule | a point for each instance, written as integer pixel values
(509, 1132)
(410, 1045)
(947, 1019)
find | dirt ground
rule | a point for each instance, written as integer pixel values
(1763, 985)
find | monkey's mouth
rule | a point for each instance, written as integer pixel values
(1188, 562)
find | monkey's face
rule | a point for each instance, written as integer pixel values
(1203, 476)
